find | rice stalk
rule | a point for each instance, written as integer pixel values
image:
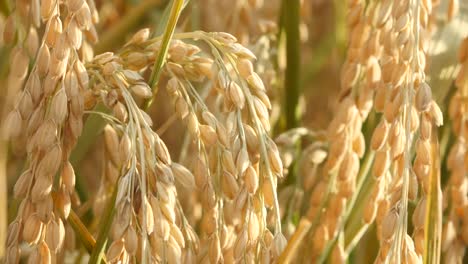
(433, 221)
(201, 176)
(3, 204)
(176, 9)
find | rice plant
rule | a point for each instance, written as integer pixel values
(242, 131)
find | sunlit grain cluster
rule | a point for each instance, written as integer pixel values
(191, 131)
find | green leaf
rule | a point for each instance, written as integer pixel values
(170, 24)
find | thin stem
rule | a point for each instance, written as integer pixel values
(3, 196)
(104, 227)
(293, 61)
(3, 156)
(433, 219)
(356, 239)
(363, 178)
(164, 127)
(295, 240)
(176, 9)
(80, 229)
